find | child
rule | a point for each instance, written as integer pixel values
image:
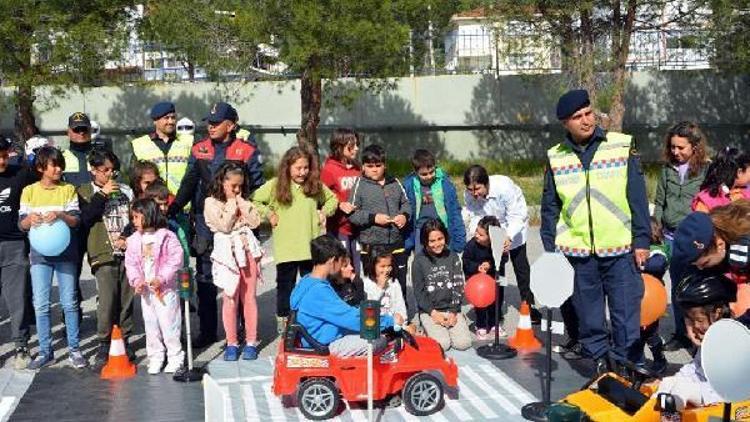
(438, 282)
(236, 255)
(381, 211)
(656, 265)
(348, 285)
(326, 317)
(727, 179)
(104, 213)
(159, 193)
(380, 286)
(704, 299)
(152, 260)
(142, 174)
(432, 195)
(339, 173)
(477, 258)
(44, 202)
(296, 204)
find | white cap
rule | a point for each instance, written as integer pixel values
(185, 126)
(36, 142)
(95, 129)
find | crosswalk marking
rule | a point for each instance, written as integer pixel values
(477, 402)
(509, 384)
(274, 404)
(408, 417)
(457, 408)
(248, 401)
(499, 398)
(6, 404)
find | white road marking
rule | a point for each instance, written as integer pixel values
(509, 384)
(497, 396)
(6, 404)
(476, 401)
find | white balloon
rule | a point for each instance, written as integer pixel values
(724, 356)
(552, 280)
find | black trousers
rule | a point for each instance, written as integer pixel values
(522, 270)
(206, 292)
(286, 279)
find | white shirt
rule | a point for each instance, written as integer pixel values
(148, 240)
(391, 298)
(505, 201)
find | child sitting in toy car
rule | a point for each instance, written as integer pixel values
(704, 299)
(320, 310)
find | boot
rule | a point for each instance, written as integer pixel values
(101, 356)
(129, 350)
(659, 365)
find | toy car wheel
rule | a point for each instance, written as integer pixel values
(318, 399)
(423, 394)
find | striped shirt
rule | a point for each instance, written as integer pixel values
(36, 198)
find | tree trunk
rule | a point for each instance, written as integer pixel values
(191, 70)
(587, 65)
(617, 112)
(311, 95)
(25, 123)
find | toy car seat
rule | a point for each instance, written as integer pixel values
(294, 334)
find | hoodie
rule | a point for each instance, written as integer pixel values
(371, 198)
(340, 179)
(325, 316)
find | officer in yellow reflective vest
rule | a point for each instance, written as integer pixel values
(76, 156)
(165, 147)
(595, 211)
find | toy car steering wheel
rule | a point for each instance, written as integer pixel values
(409, 339)
(638, 373)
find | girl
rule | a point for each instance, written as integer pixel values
(142, 174)
(296, 204)
(44, 202)
(235, 256)
(380, 286)
(339, 173)
(726, 180)
(686, 161)
(478, 258)
(439, 288)
(152, 259)
(348, 285)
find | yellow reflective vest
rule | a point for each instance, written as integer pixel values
(173, 165)
(595, 215)
(71, 162)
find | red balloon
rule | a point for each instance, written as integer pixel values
(480, 290)
(654, 302)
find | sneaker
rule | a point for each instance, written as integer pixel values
(41, 360)
(677, 343)
(481, 334)
(572, 350)
(101, 357)
(154, 366)
(536, 316)
(232, 353)
(500, 330)
(249, 352)
(22, 358)
(173, 366)
(129, 351)
(77, 360)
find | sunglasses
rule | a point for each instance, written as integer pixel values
(81, 130)
(185, 127)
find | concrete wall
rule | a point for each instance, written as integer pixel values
(457, 116)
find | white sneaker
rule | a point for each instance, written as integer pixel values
(500, 331)
(154, 367)
(172, 366)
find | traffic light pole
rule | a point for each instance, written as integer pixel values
(369, 382)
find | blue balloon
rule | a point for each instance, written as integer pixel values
(50, 239)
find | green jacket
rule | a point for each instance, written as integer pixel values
(94, 206)
(672, 200)
(298, 223)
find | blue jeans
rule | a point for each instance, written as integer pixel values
(41, 285)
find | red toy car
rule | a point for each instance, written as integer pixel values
(316, 381)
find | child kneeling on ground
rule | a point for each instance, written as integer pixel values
(320, 310)
(438, 281)
(704, 300)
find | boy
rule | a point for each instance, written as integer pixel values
(381, 211)
(325, 316)
(104, 214)
(14, 253)
(431, 194)
(705, 299)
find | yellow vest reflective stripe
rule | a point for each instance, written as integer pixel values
(243, 134)
(71, 162)
(595, 216)
(173, 165)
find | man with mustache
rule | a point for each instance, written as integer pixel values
(595, 211)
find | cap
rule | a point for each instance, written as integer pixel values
(79, 119)
(693, 236)
(572, 101)
(160, 109)
(220, 112)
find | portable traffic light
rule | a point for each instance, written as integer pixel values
(184, 277)
(369, 316)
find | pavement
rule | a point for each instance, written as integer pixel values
(490, 390)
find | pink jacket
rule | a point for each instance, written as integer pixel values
(167, 259)
(709, 202)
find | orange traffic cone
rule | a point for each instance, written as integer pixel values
(524, 340)
(118, 365)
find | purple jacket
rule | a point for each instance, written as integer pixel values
(167, 259)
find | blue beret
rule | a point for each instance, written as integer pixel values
(571, 102)
(220, 112)
(160, 109)
(693, 237)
